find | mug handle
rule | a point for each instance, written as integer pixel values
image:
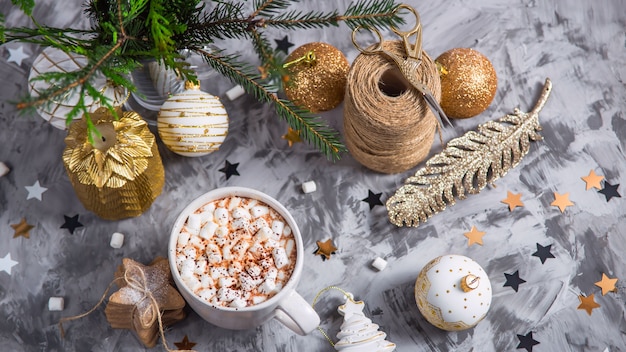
(297, 314)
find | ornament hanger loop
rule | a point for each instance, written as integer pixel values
(309, 58)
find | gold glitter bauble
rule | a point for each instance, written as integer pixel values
(320, 85)
(121, 173)
(468, 82)
(192, 123)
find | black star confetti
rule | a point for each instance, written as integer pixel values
(229, 169)
(543, 253)
(527, 341)
(283, 44)
(71, 223)
(513, 280)
(610, 191)
(373, 199)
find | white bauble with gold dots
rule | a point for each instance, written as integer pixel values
(453, 292)
(193, 122)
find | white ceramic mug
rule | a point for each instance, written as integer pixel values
(287, 306)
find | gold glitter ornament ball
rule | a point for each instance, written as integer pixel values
(318, 84)
(468, 82)
(192, 123)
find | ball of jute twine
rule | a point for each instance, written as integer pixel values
(388, 126)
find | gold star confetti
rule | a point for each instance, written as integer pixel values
(587, 303)
(22, 229)
(606, 284)
(325, 249)
(474, 236)
(513, 200)
(185, 344)
(562, 201)
(292, 136)
(592, 180)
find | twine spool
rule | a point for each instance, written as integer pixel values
(388, 126)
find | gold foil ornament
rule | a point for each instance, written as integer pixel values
(121, 173)
(316, 76)
(466, 165)
(192, 123)
(468, 82)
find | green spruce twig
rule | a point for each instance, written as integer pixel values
(127, 32)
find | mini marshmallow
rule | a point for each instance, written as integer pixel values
(207, 215)
(235, 92)
(228, 294)
(207, 281)
(238, 303)
(194, 222)
(254, 270)
(264, 234)
(241, 213)
(187, 268)
(257, 224)
(290, 246)
(271, 244)
(272, 273)
(183, 238)
(214, 257)
(277, 227)
(226, 252)
(267, 286)
(192, 283)
(56, 304)
(117, 240)
(221, 216)
(247, 283)
(241, 248)
(259, 210)
(379, 264)
(287, 230)
(234, 203)
(258, 299)
(196, 242)
(190, 252)
(309, 187)
(226, 281)
(216, 273)
(207, 294)
(208, 230)
(240, 223)
(200, 267)
(280, 257)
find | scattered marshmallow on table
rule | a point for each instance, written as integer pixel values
(309, 187)
(379, 264)
(235, 92)
(117, 240)
(4, 169)
(56, 304)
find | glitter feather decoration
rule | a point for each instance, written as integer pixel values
(466, 165)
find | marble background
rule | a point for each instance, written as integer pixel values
(580, 46)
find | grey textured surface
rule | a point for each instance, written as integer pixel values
(579, 45)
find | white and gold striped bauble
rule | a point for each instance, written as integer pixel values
(55, 111)
(192, 123)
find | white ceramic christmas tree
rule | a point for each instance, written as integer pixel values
(358, 333)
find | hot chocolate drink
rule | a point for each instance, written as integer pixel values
(235, 252)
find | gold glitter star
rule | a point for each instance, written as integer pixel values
(587, 303)
(22, 229)
(292, 136)
(592, 180)
(562, 201)
(325, 249)
(513, 200)
(474, 236)
(606, 284)
(185, 344)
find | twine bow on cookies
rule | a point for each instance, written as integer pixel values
(144, 304)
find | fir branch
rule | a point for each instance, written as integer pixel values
(269, 8)
(372, 13)
(312, 128)
(25, 5)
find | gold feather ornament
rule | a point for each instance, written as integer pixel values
(466, 165)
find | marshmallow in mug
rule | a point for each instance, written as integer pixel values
(235, 252)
